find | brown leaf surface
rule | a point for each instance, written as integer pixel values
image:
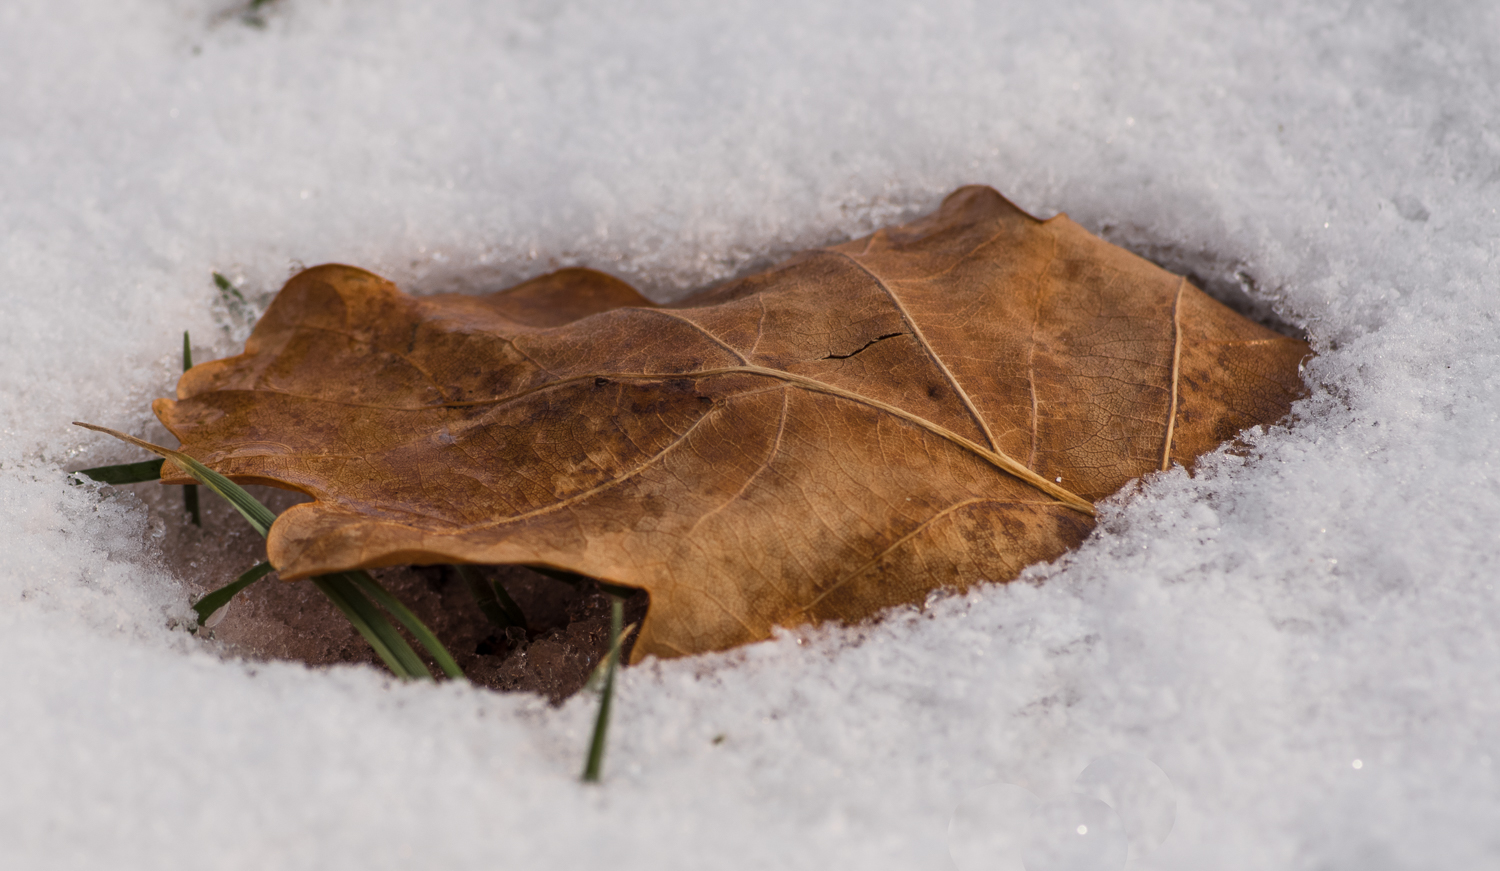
(931, 406)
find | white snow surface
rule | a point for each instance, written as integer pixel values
(1253, 628)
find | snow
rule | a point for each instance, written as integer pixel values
(1304, 636)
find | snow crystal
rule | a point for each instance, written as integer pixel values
(1301, 635)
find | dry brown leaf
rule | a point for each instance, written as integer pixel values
(931, 406)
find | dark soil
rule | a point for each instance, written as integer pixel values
(566, 636)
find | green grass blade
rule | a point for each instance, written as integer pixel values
(190, 492)
(373, 626)
(251, 508)
(509, 605)
(617, 590)
(595, 764)
(226, 289)
(212, 602)
(569, 578)
(492, 599)
(126, 473)
(574, 579)
(405, 617)
(190, 503)
(339, 588)
(596, 677)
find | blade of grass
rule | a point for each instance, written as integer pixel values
(617, 590)
(574, 579)
(570, 578)
(227, 290)
(190, 503)
(596, 677)
(405, 617)
(125, 473)
(595, 764)
(339, 588)
(212, 602)
(373, 625)
(190, 492)
(497, 605)
(259, 515)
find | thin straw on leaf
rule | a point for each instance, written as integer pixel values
(259, 515)
(595, 763)
(212, 602)
(405, 617)
(373, 625)
(498, 607)
(125, 473)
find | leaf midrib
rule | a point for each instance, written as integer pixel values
(996, 458)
